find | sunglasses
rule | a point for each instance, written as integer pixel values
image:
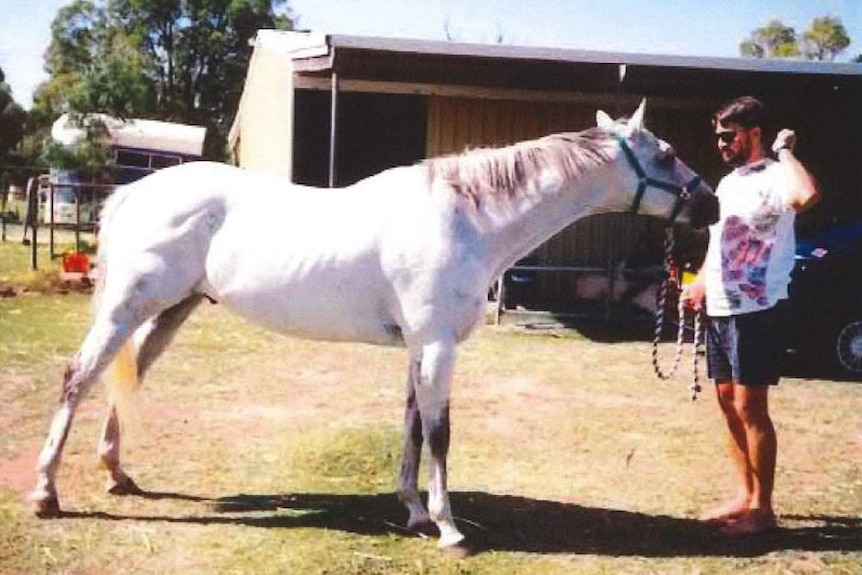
(728, 137)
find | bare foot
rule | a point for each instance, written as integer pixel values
(727, 512)
(752, 522)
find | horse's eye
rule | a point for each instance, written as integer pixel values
(667, 157)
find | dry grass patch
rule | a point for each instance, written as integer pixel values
(262, 454)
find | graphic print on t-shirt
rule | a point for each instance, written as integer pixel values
(746, 250)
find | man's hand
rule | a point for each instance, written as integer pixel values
(692, 295)
(785, 140)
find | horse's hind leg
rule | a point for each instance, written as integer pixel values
(151, 339)
(408, 487)
(102, 342)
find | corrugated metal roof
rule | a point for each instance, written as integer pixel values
(416, 65)
(551, 54)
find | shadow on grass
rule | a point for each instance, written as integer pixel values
(494, 522)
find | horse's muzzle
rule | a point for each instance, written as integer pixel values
(703, 207)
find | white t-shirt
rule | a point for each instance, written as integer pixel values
(752, 246)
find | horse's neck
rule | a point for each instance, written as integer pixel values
(517, 225)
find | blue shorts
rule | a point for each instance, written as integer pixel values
(748, 348)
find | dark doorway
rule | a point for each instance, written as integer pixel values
(375, 132)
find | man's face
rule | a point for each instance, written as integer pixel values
(734, 143)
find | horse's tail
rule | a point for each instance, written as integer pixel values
(121, 379)
(121, 375)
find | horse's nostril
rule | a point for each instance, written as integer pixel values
(704, 210)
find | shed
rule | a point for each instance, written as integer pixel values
(328, 110)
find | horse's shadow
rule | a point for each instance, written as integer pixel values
(495, 522)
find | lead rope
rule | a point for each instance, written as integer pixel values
(694, 386)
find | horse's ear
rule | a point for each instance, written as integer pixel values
(636, 122)
(604, 121)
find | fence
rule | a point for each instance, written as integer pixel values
(69, 208)
(597, 292)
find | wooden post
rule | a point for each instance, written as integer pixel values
(52, 195)
(498, 311)
(77, 190)
(333, 132)
(34, 261)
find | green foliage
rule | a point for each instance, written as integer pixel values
(117, 86)
(164, 59)
(775, 40)
(12, 119)
(76, 38)
(90, 155)
(824, 39)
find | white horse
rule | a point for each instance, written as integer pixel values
(402, 258)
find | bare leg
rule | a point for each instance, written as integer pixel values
(753, 409)
(753, 450)
(432, 394)
(737, 443)
(408, 488)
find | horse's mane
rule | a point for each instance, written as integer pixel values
(479, 172)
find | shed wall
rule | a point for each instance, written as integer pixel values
(265, 139)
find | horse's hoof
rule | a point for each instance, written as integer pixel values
(422, 525)
(125, 486)
(45, 507)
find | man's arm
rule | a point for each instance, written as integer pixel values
(803, 188)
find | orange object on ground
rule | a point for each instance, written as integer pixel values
(76, 262)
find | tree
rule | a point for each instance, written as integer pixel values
(775, 40)
(12, 118)
(175, 60)
(90, 156)
(824, 39)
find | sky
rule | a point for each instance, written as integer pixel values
(675, 27)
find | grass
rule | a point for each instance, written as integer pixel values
(16, 275)
(263, 454)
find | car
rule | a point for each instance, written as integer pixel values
(826, 300)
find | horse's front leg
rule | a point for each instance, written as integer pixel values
(432, 395)
(408, 485)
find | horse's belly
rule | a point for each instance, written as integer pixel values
(319, 306)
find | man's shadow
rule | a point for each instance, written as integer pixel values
(495, 522)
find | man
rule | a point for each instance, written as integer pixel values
(744, 281)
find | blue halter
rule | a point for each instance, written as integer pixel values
(681, 192)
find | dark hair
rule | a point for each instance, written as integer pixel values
(745, 111)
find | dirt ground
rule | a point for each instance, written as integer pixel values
(562, 446)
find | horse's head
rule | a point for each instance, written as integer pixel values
(661, 184)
